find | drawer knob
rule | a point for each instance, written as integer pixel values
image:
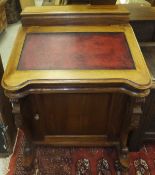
(36, 117)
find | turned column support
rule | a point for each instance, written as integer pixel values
(132, 120)
(133, 116)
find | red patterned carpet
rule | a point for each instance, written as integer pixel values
(80, 161)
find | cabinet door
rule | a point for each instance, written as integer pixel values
(75, 114)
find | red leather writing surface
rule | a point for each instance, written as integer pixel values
(45, 51)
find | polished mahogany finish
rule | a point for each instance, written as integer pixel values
(75, 114)
(74, 15)
(84, 88)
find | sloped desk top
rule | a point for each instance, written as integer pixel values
(76, 55)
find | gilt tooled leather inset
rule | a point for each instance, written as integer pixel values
(75, 50)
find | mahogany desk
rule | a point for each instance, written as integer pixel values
(77, 85)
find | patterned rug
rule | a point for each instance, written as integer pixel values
(80, 161)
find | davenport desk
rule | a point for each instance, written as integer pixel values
(77, 85)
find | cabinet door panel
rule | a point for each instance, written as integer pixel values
(75, 114)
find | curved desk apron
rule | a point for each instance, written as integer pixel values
(77, 85)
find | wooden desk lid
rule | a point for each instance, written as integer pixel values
(76, 55)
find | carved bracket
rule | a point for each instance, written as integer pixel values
(137, 113)
(16, 111)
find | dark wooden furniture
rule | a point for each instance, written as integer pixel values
(92, 2)
(149, 107)
(7, 127)
(76, 2)
(72, 91)
(146, 131)
(142, 20)
(13, 10)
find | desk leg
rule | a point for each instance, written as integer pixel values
(132, 116)
(122, 165)
(28, 148)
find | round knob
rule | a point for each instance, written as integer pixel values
(36, 117)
